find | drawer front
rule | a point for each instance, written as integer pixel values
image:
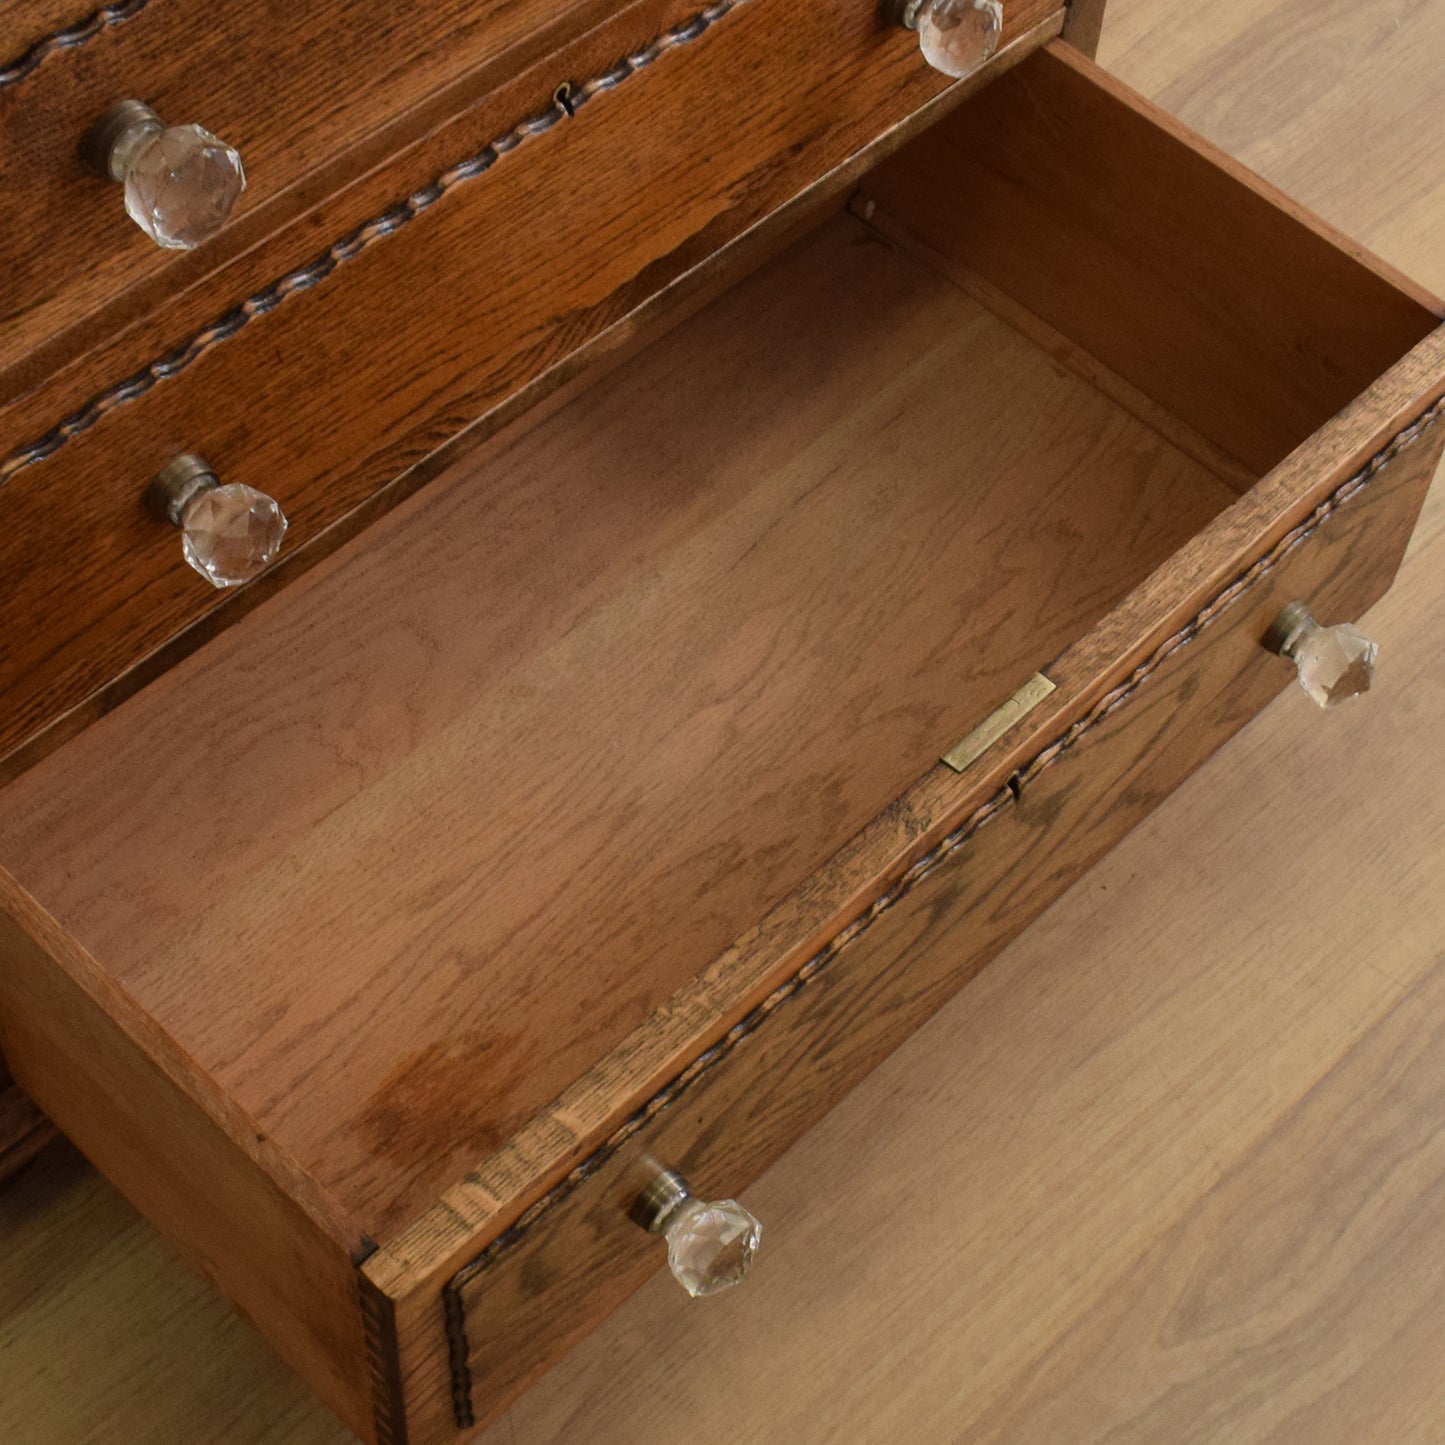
(574, 1255)
(293, 88)
(335, 376)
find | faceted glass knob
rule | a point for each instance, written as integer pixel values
(1334, 663)
(710, 1245)
(956, 36)
(230, 532)
(181, 182)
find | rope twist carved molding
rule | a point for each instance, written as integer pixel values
(454, 1304)
(568, 101)
(75, 36)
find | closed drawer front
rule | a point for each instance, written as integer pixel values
(310, 95)
(291, 87)
(574, 1255)
(324, 379)
(589, 807)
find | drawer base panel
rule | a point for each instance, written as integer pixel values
(649, 671)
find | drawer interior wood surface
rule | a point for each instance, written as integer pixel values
(408, 849)
(414, 845)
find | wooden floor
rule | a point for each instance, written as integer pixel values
(1172, 1171)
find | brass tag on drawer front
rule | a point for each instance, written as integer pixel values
(998, 722)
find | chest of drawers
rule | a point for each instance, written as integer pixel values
(758, 418)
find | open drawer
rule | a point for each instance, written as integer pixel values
(587, 811)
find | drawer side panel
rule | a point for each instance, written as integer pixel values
(183, 1155)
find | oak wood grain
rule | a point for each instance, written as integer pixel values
(1083, 1040)
(1080, 1040)
(592, 702)
(880, 58)
(332, 396)
(32, 21)
(1088, 1036)
(1163, 1171)
(496, 1194)
(312, 97)
(1085, 1034)
(312, 884)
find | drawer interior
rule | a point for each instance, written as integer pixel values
(414, 844)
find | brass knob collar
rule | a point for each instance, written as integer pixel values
(178, 484)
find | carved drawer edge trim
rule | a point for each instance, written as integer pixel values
(453, 1299)
(383, 1359)
(71, 38)
(568, 100)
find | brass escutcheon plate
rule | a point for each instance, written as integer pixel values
(998, 722)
